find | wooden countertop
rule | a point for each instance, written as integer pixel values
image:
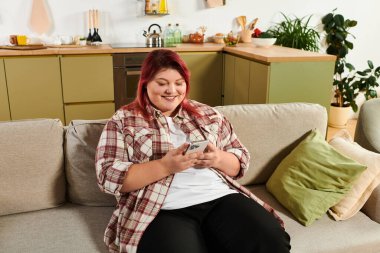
(248, 50)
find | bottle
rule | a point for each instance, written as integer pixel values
(154, 7)
(169, 36)
(177, 34)
(147, 7)
(163, 7)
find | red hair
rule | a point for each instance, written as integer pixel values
(155, 61)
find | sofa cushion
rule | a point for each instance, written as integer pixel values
(312, 178)
(81, 140)
(367, 132)
(372, 206)
(65, 229)
(271, 131)
(358, 234)
(31, 165)
(367, 182)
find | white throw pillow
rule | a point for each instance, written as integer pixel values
(365, 184)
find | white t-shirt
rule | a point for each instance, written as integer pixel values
(192, 186)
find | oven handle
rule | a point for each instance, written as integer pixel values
(133, 71)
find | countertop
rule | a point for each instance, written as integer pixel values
(247, 50)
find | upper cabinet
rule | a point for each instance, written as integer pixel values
(248, 81)
(34, 87)
(4, 106)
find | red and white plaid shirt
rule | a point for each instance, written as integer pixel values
(129, 138)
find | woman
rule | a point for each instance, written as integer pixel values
(171, 201)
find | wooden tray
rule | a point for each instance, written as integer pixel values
(26, 47)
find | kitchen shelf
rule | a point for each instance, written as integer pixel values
(156, 14)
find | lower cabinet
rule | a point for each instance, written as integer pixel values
(63, 87)
(4, 105)
(206, 76)
(34, 87)
(87, 84)
(250, 82)
(89, 111)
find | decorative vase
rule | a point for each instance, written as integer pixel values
(338, 116)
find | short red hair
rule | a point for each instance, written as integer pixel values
(155, 61)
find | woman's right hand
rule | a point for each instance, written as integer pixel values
(175, 160)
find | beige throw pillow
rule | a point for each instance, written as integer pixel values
(366, 183)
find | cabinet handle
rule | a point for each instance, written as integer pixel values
(133, 72)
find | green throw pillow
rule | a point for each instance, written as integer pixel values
(313, 178)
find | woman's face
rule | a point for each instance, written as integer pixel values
(166, 90)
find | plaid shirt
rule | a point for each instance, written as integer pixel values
(129, 138)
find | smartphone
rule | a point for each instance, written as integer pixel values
(196, 146)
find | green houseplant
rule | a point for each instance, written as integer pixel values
(347, 82)
(296, 33)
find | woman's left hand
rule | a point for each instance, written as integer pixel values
(218, 159)
(210, 158)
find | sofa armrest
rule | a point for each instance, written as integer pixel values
(372, 206)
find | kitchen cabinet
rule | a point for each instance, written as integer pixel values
(87, 85)
(34, 87)
(248, 81)
(89, 111)
(4, 105)
(206, 76)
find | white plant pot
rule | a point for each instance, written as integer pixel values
(338, 116)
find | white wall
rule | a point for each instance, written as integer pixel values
(124, 20)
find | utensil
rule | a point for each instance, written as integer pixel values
(251, 25)
(242, 21)
(40, 21)
(89, 37)
(96, 36)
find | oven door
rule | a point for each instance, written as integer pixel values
(127, 70)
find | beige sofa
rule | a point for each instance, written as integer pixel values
(49, 200)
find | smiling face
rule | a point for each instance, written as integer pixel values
(166, 91)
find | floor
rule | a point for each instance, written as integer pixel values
(351, 125)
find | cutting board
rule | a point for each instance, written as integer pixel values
(26, 47)
(40, 21)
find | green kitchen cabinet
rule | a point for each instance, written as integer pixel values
(87, 78)
(89, 111)
(206, 76)
(4, 105)
(248, 81)
(87, 84)
(34, 87)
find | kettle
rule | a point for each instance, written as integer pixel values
(153, 39)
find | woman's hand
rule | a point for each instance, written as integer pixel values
(210, 158)
(175, 160)
(218, 159)
(143, 174)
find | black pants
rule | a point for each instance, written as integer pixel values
(233, 223)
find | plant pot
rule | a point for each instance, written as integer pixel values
(338, 116)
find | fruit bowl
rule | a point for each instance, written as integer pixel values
(231, 39)
(263, 42)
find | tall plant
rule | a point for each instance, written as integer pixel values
(347, 82)
(296, 33)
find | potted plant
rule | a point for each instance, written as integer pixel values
(347, 83)
(296, 33)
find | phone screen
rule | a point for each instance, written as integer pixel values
(198, 146)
